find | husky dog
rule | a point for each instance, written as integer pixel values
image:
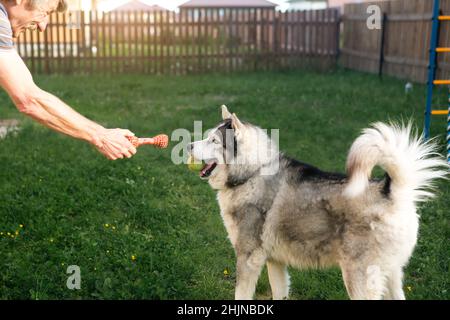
(282, 212)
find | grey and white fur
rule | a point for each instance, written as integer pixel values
(303, 217)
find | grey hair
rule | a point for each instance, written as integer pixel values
(62, 4)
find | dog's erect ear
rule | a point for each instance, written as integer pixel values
(225, 113)
(236, 123)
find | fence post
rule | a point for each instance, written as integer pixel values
(276, 38)
(81, 35)
(46, 59)
(382, 40)
(199, 40)
(339, 24)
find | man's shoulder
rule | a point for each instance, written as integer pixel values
(3, 10)
(3, 15)
(6, 41)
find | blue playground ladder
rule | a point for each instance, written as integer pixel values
(434, 50)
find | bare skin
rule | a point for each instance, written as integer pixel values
(44, 107)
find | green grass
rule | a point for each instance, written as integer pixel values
(64, 192)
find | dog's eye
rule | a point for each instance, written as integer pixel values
(214, 140)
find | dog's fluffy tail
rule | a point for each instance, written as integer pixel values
(411, 162)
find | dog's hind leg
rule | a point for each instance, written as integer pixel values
(395, 285)
(279, 280)
(247, 274)
(363, 283)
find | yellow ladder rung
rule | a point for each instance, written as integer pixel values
(439, 112)
(444, 18)
(443, 50)
(437, 82)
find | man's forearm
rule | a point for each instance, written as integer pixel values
(55, 114)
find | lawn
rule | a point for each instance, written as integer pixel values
(145, 228)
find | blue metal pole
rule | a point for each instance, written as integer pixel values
(432, 66)
(448, 127)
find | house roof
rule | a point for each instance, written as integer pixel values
(296, 1)
(331, 2)
(340, 3)
(228, 4)
(136, 5)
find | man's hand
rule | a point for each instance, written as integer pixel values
(113, 143)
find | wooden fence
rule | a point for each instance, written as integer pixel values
(217, 40)
(406, 39)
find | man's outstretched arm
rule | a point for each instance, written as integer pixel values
(44, 107)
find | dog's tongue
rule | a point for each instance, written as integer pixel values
(207, 169)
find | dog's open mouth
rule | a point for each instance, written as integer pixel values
(208, 169)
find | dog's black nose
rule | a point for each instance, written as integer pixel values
(190, 146)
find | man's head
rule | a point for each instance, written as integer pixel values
(31, 14)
